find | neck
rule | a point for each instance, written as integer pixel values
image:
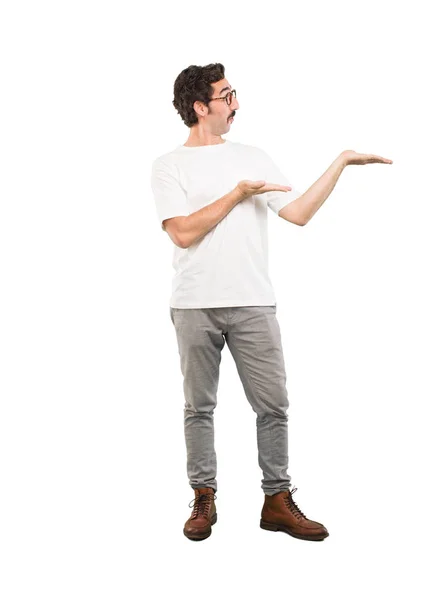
(198, 137)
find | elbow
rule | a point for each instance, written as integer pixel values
(182, 242)
(291, 212)
(178, 235)
(182, 245)
(186, 238)
(303, 220)
(177, 241)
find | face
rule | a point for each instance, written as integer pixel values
(218, 115)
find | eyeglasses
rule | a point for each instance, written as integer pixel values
(228, 97)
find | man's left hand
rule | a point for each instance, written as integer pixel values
(350, 157)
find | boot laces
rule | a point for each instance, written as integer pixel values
(294, 508)
(202, 504)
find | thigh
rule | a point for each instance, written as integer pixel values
(200, 342)
(254, 340)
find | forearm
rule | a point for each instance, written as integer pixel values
(315, 196)
(199, 223)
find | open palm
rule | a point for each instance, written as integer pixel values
(354, 158)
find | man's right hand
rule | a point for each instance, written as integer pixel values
(247, 188)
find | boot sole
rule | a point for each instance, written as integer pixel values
(198, 537)
(318, 537)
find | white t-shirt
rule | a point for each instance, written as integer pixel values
(229, 265)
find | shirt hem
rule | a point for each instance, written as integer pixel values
(225, 305)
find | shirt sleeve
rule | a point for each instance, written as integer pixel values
(276, 200)
(170, 198)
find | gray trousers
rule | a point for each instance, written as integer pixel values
(253, 336)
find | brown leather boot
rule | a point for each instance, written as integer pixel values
(203, 516)
(280, 513)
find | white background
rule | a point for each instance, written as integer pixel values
(94, 491)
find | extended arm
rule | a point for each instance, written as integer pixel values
(309, 203)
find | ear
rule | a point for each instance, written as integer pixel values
(200, 108)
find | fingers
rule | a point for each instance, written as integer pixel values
(277, 187)
(270, 186)
(260, 187)
(381, 159)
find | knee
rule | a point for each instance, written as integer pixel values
(272, 415)
(198, 411)
(277, 410)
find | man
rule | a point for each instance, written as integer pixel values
(212, 197)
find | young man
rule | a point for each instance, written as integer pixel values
(212, 197)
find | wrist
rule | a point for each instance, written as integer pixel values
(237, 194)
(342, 159)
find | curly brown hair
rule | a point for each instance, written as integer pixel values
(194, 83)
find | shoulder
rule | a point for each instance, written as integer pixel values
(251, 150)
(245, 147)
(165, 164)
(162, 160)
(169, 159)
